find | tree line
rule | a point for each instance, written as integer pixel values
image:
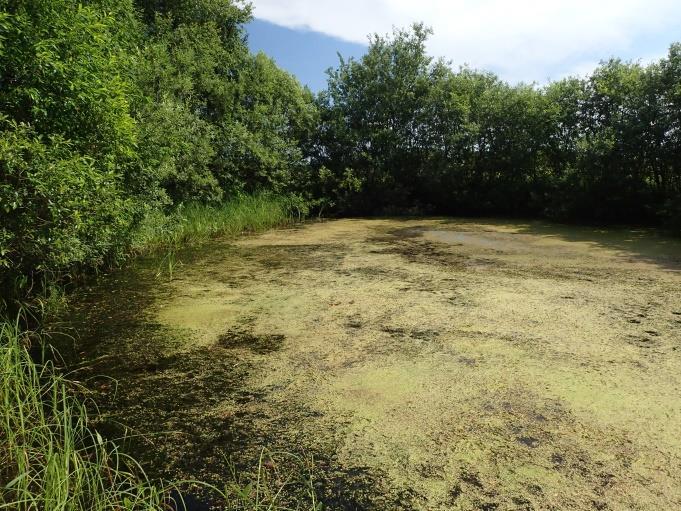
(401, 131)
(111, 110)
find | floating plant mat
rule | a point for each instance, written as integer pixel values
(423, 364)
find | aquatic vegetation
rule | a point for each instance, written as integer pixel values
(195, 223)
(269, 488)
(422, 364)
(50, 457)
(436, 363)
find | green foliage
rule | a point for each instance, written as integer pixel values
(50, 457)
(260, 142)
(372, 118)
(193, 223)
(61, 72)
(177, 150)
(59, 210)
(418, 134)
(67, 139)
(225, 13)
(216, 120)
(138, 125)
(112, 111)
(184, 78)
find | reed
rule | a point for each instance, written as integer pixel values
(194, 223)
(50, 457)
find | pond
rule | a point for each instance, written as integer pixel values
(421, 364)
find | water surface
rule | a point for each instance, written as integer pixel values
(424, 364)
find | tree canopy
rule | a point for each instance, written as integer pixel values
(420, 136)
(111, 109)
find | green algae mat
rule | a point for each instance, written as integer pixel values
(424, 364)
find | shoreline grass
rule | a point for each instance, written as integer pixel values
(50, 456)
(195, 223)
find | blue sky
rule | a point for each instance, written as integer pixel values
(304, 53)
(521, 40)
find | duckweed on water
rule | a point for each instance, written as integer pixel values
(424, 364)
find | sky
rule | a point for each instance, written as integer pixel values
(520, 40)
(304, 53)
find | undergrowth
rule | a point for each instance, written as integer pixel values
(194, 223)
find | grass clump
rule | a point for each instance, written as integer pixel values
(282, 481)
(50, 457)
(194, 223)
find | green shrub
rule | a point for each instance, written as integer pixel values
(59, 210)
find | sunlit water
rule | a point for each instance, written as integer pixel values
(423, 364)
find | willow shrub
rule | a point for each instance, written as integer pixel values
(60, 210)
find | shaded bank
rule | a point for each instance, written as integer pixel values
(52, 455)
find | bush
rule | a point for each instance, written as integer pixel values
(60, 210)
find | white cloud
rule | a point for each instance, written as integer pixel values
(519, 39)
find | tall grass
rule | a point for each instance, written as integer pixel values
(50, 457)
(194, 223)
(264, 489)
